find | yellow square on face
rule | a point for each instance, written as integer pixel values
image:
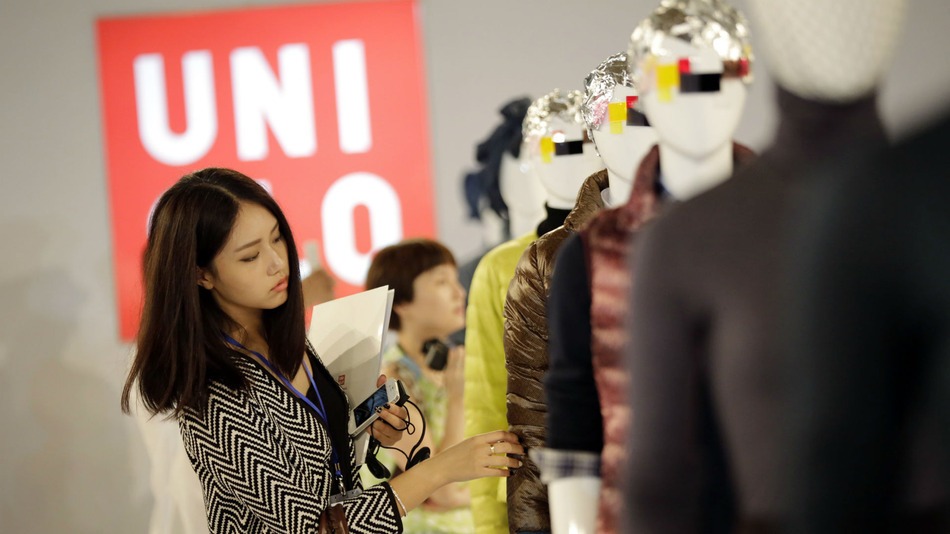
(617, 111)
(547, 149)
(667, 77)
(616, 127)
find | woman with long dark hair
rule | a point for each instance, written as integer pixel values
(222, 346)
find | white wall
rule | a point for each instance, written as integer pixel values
(71, 461)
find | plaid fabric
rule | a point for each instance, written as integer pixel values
(555, 463)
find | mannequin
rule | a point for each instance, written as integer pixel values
(704, 359)
(866, 454)
(622, 151)
(525, 195)
(487, 198)
(697, 91)
(485, 188)
(178, 501)
(494, 229)
(557, 148)
(622, 136)
(573, 177)
(591, 270)
(868, 325)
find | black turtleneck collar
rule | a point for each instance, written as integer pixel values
(555, 217)
(811, 130)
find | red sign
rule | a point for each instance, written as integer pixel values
(324, 104)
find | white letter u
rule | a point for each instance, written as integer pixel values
(151, 104)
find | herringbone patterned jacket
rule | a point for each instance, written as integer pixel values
(264, 462)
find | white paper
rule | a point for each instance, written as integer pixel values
(384, 344)
(361, 447)
(347, 334)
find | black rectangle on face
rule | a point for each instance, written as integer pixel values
(699, 83)
(568, 147)
(635, 118)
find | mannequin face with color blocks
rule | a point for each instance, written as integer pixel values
(566, 159)
(622, 140)
(557, 147)
(691, 104)
(617, 124)
(692, 60)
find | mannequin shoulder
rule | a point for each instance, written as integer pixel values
(505, 256)
(544, 250)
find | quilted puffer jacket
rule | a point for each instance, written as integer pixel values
(485, 375)
(526, 355)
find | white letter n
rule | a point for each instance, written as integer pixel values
(260, 99)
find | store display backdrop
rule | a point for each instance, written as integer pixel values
(325, 104)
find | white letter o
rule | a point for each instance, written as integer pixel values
(339, 232)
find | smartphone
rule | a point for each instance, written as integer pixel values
(363, 415)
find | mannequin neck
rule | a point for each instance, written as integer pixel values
(560, 203)
(619, 189)
(520, 223)
(813, 130)
(493, 229)
(686, 176)
(555, 217)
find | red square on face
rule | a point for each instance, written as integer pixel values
(325, 102)
(632, 101)
(684, 65)
(743, 67)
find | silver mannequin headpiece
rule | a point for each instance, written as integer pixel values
(599, 86)
(554, 105)
(710, 35)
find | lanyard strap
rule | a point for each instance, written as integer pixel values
(321, 411)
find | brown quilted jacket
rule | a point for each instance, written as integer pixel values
(526, 355)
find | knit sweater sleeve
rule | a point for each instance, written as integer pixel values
(258, 478)
(574, 419)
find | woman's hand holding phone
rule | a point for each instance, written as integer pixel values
(388, 429)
